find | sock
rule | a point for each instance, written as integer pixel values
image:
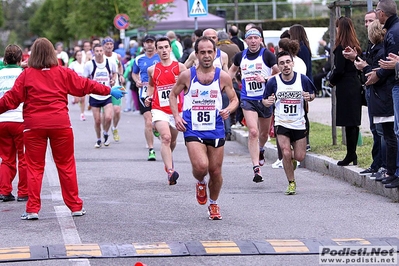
(291, 181)
(261, 149)
(212, 201)
(202, 182)
(105, 133)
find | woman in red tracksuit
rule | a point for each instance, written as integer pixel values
(43, 88)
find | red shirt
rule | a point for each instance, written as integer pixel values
(164, 78)
(44, 93)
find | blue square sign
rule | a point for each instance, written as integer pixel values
(197, 8)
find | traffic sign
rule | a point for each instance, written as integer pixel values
(197, 8)
(121, 21)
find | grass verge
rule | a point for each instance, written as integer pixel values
(321, 143)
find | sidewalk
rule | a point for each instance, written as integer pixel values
(320, 111)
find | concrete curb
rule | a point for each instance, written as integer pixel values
(325, 165)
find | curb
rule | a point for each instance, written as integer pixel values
(325, 165)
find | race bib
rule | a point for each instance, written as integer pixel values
(163, 95)
(289, 109)
(143, 90)
(253, 87)
(203, 118)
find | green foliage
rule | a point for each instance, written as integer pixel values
(63, 20)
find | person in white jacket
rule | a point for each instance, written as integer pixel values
(11, 131)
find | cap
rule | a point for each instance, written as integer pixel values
(149, 38)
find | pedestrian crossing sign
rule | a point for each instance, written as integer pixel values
(197, 8)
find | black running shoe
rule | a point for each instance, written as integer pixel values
(257, 177)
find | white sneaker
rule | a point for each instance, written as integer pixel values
(277, 164)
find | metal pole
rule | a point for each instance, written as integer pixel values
(195, 23)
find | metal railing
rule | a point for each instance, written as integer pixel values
(269, 10)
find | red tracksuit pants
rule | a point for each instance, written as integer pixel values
(11, 145)
(62, 148)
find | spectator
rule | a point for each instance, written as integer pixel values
(187, 49)
(348, 88)
(234, 37)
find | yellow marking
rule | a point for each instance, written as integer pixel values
(156, 245)
(218, 244)
(16, 249)
(83, 249)
(160, 251)
(290, 249)
(220, 247)
(160, 248)
(222, 250)
(291, 245)
(344, 241)
(14, 253)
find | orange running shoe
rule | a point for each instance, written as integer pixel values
(200, 193)
(214, 212)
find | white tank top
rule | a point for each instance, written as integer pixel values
(289, 111)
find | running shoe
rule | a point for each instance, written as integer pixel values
(294, 164)
(29, 216)
(155, 132)
(79, 213)
(106, 140)
(308, 148)
(261, 158)
(257, 177)
(151, 155)
(82, 117)
(172, 177)
(98, 144)
(277, 164)
(200, 193)
(291, 189)
(214, 212)
(115, 134)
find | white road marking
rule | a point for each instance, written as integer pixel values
(67, 224)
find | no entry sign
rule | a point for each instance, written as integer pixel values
(121, 21)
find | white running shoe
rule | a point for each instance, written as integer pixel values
(277, 164)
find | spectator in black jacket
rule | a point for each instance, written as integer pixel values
(187, 49)
(234, 37)
(380, 104)
(386, 14)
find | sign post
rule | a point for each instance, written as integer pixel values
(197, 8)
(121, 22)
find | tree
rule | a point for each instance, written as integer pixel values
(63, 20)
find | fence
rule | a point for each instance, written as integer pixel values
(268, 10)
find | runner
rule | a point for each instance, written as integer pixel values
(103, 71)
(257, 64)
(108, 46)
(162, 77)
(289, 91)
(140, 76)
(202, 121)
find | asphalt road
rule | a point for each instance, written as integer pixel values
(128, 201)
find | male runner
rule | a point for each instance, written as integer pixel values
(162, 77)
(202, 121)
(289, 91)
